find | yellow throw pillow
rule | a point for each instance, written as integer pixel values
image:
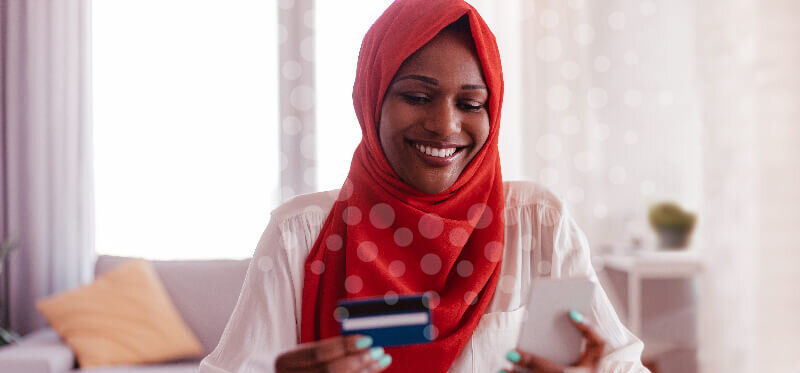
(124, 317)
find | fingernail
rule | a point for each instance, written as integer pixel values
(364, 342)
(385, 361)
(501, 371)
(513, 356)
(376, 352)
(575, 316)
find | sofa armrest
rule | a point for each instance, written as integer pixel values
(39, 352)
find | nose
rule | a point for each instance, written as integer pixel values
(443, 119)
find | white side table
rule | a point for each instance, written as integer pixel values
(651, 265)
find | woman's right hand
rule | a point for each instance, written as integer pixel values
(343, 354)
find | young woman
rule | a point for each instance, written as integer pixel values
(423, 209)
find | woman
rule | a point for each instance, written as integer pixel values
(423, 209)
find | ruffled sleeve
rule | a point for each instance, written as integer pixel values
(258, 329)
(266, 319)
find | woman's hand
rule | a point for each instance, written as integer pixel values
(334, 355)
(588, 362)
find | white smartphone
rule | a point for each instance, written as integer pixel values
(547, 332)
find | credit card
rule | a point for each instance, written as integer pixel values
(394, 321)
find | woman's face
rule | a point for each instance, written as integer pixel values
(434, 117)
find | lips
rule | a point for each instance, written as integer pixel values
(437, 154)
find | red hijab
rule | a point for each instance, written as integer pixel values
(383, 237)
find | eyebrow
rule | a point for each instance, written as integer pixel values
(432, 81)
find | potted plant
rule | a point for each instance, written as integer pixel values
(673, 225)
(6, 247)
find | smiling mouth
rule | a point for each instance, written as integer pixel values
(437, 156)
(435, 152)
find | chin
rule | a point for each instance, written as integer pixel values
(427, 180)
(433, 188)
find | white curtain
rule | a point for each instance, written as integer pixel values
(777, 128)
(726, 42)
(46, 145)
(749, 58)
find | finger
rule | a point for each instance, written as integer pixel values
(527, 362)
(315, 353)
(592, 338)
(516, 369)
(372, 360)
(591, 356)
(595, 344)
(337, 347)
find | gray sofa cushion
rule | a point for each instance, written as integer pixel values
(203, 291)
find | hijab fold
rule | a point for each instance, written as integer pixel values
(383, 237)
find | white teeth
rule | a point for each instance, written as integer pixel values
(435, 152)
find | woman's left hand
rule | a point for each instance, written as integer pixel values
(589, 360)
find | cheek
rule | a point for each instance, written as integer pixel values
(394, 121)
(480, 132)
(384, 127)
(382, 133)
(389, 133)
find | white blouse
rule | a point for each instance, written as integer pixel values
(541, 240)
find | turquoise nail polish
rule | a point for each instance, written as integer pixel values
(364, 342)
(575, 316)
(376, 352)
(385, 361)
(513, 356)
(501, 371)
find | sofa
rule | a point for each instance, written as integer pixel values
(203, 291)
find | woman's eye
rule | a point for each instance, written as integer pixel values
(416, 100)
(471, 106)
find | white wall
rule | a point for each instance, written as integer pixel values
(628, 102)
(611, 120)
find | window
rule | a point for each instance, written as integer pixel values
(337, 46)
(185, 113)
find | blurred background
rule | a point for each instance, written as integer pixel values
(169, 129)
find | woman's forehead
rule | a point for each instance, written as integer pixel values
(449, 55)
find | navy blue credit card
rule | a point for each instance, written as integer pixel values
(393, 321)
